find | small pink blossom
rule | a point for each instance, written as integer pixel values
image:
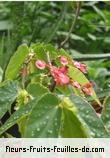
(87, 91)
(64, 70)
(77, 64)
(62, 79)
(76, 84)
(63, 60)
(82, 67)
(40, 64)
(60, 75)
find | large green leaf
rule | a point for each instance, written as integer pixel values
(8, 93)
(45, 118)
(73, 126)
(17, 116)
(105, 116)
(20, 115)
(88, 115)
(78, 76)
(16, 61)
(36, 90)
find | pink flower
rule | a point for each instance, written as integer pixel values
(60, 75)
(77, 64)
(82, 67)
(86, 88)
(76, 84)
(63, 60)
(88, 85)
(62, 79)
(87, 91)
(64, 70)
(40, 64)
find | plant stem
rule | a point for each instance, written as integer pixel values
(52, 86)
(73, 24)
(57, 24)
(48, 58)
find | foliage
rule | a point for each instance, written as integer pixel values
(41, 108)
(28, 22)
(27, 80)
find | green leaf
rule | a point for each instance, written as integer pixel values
(8, 135)
(24, 111)
(73, 126)
(88, 115)
(41, 51)
(78, 76)
(5, 25)
(16, 62)
(65, 90)
(45, 118)
(36, 90)
(8, 93)
(72, 36)
(64, 53)
(105, 116)
(17, 116)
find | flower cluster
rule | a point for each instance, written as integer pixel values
(60, 74)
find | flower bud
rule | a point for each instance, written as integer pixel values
(40, 64)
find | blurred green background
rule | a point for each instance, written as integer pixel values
(50, 22)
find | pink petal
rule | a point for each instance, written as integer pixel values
(40, 64)
(83, 68)
(77, 64)
(87, 91)
(80, 66)
(63, 79)
(76, 84)
(63, 60)
(63, 70)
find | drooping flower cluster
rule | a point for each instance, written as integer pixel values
(60, 74)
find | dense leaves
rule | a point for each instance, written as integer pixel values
(16, 62)
(8, 94)
(105, 113)
(39, 113)
(72, 125)
(89, 116)
(45, 118)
